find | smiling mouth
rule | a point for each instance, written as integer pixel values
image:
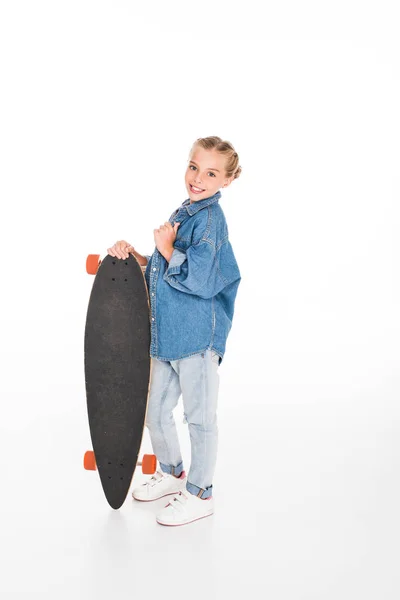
(195, 189)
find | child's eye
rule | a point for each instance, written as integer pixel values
(193, 167)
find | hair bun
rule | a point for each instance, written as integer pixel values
(237, 172)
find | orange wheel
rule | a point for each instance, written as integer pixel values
(92, 263)
(149, 464)
(89, 461)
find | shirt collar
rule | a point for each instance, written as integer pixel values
(196, 206)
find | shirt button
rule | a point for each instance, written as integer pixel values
(154, 268)
(152, 318)
(152, 293)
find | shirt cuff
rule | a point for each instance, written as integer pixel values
(177, 258)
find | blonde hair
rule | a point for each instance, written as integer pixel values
(223, 147)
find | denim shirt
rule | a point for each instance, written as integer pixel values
(192, 298)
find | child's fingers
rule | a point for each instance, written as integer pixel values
(120, 253)
(120, 250)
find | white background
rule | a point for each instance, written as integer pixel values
(100, 103)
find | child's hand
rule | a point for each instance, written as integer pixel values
(121, 249)
(165, 236)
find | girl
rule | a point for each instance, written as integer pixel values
(192, 279)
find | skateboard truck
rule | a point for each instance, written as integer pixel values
(148, 462)
(93, 263)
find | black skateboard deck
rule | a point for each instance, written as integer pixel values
(117, 372)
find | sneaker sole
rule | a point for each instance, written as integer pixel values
(185, 522)
(153, 499)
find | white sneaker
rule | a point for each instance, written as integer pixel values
(185, 508)
(159, 485)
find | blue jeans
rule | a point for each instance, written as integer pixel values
(195, 377)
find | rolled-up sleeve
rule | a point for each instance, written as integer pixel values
(195, 271)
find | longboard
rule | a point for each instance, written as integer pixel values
(117, 372)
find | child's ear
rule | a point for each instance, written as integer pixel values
(228, 181)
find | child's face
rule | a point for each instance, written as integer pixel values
(206, 170)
